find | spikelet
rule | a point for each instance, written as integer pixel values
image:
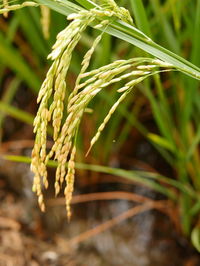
(45, 20)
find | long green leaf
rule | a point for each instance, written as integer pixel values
(11, 57)
(16, 113)
(142, 177)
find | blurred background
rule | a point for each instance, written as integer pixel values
(154, 134)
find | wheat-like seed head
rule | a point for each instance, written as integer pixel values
(130, 72)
